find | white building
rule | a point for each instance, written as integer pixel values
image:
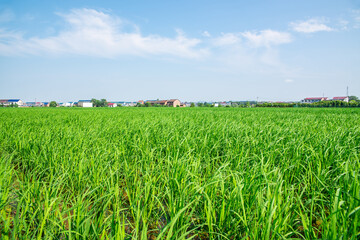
(7, 102)
(67, 104)
(85, 103)
(130, 104)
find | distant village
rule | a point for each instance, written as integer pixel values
(335, 101)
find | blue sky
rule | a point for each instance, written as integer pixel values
(191, 50)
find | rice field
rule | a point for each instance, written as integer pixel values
(179, 173)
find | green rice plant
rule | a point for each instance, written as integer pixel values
(179, 173)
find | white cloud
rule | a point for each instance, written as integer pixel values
(226, 39)
(356, 16)
(310, 26)
(234, 53)
(206, 34)
(289, 80)
(343, 24)
(95, 33)
(267, 38)
(356, 13)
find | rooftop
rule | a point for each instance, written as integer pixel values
(315, 98)
(9, 100)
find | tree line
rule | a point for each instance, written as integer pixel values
(353, 102)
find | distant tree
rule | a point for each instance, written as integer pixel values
(147, 104)
(354, 103)
(53, 104)
(192, 104)
(140, 105)
(103, 103)
(353, 98)
(99, 103)
(94, 102)
(200, 104)
(13, 105)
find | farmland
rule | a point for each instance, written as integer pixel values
(171, 173)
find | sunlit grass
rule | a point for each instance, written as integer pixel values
(170, 173)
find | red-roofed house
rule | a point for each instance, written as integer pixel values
(173, 103)
(314, 99)
(112, 104)
(170, 103)
(344, 99)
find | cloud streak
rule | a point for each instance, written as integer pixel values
(94, 33)
(99, 34)
(227, 39)
(267, 38)
(310, 26)
(356, 17)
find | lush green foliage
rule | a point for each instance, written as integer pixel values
(332, 104)
(53, 104)
(11, 105)
(99, 103)
(176, 173)
(354, 98)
